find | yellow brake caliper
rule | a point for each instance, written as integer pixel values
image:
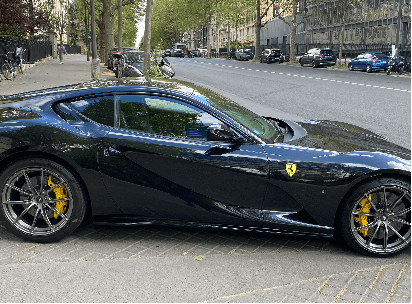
(363, 219)
(61, 193)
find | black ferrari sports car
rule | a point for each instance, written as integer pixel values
(153, 151)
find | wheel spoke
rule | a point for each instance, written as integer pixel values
(57, 211)
(60, 200)
(23, 213)
(385, 207)
(16, 202)
(45, 217)
(19, 190)
(33, 226)
(375, 230)
(396, 232)
(397, 201)
(385, 238)
(41, 180)
(370, 225)
(52, 189)
(363, 213)
(370, 202)
(402, 221)
(29, 183)
(402, 212)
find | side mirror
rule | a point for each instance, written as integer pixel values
(218, 132)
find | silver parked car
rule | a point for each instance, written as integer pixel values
(244, 54)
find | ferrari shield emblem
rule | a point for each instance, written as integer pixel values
(290, 169)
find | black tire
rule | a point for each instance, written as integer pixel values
(301, 62)
(314, 65)
(368, 69)
(383, 207)
(261, 60)
(350, 67)
(268, 60)
(400, 71)
(388, 71)
(8, 71)
(41, 200)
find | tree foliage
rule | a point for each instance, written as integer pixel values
(21, 18)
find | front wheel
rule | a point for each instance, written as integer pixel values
(41, 200)
(375, 220)
(8, 71)
(350, 67)
(400, 71)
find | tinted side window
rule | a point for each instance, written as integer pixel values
(99, 109)
(163, 116)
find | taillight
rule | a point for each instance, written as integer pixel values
(373, 60)
(320, 56)
(334, 56)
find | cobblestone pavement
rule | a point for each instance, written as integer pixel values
(382, 284)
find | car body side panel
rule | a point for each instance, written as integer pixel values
(184, 180)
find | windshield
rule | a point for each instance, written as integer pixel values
(134, 57)
(255, 123)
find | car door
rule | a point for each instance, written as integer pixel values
(162, 161)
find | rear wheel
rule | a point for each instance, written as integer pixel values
(376, 218)
(314, 65)
(41, 201)
(400, 71)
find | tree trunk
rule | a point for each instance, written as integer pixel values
(257, 31)
(108, 31)
(292, 55)
(147, 36)
(119, 25)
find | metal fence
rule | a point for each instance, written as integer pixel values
(34, 50)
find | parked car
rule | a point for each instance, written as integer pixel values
(244, 54)
(167, 53)
(115, 54)
(132, 64)
(203, 52)
(178, 53)
(194, 53)
(161, 152)
(370, 61)
(272, 55)
(318, 57)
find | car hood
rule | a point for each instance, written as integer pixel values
(339, 137)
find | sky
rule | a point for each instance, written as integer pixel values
(140, 32)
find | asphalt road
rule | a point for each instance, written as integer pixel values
(373, 101)
(181, 264)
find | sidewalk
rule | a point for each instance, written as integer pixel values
(50, 73)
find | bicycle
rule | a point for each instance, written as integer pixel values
(7, 69)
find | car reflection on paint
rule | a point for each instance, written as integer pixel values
(167, 151)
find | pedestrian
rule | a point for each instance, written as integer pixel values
(61, 50)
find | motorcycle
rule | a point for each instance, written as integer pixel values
(165, 68)
(396, 64)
